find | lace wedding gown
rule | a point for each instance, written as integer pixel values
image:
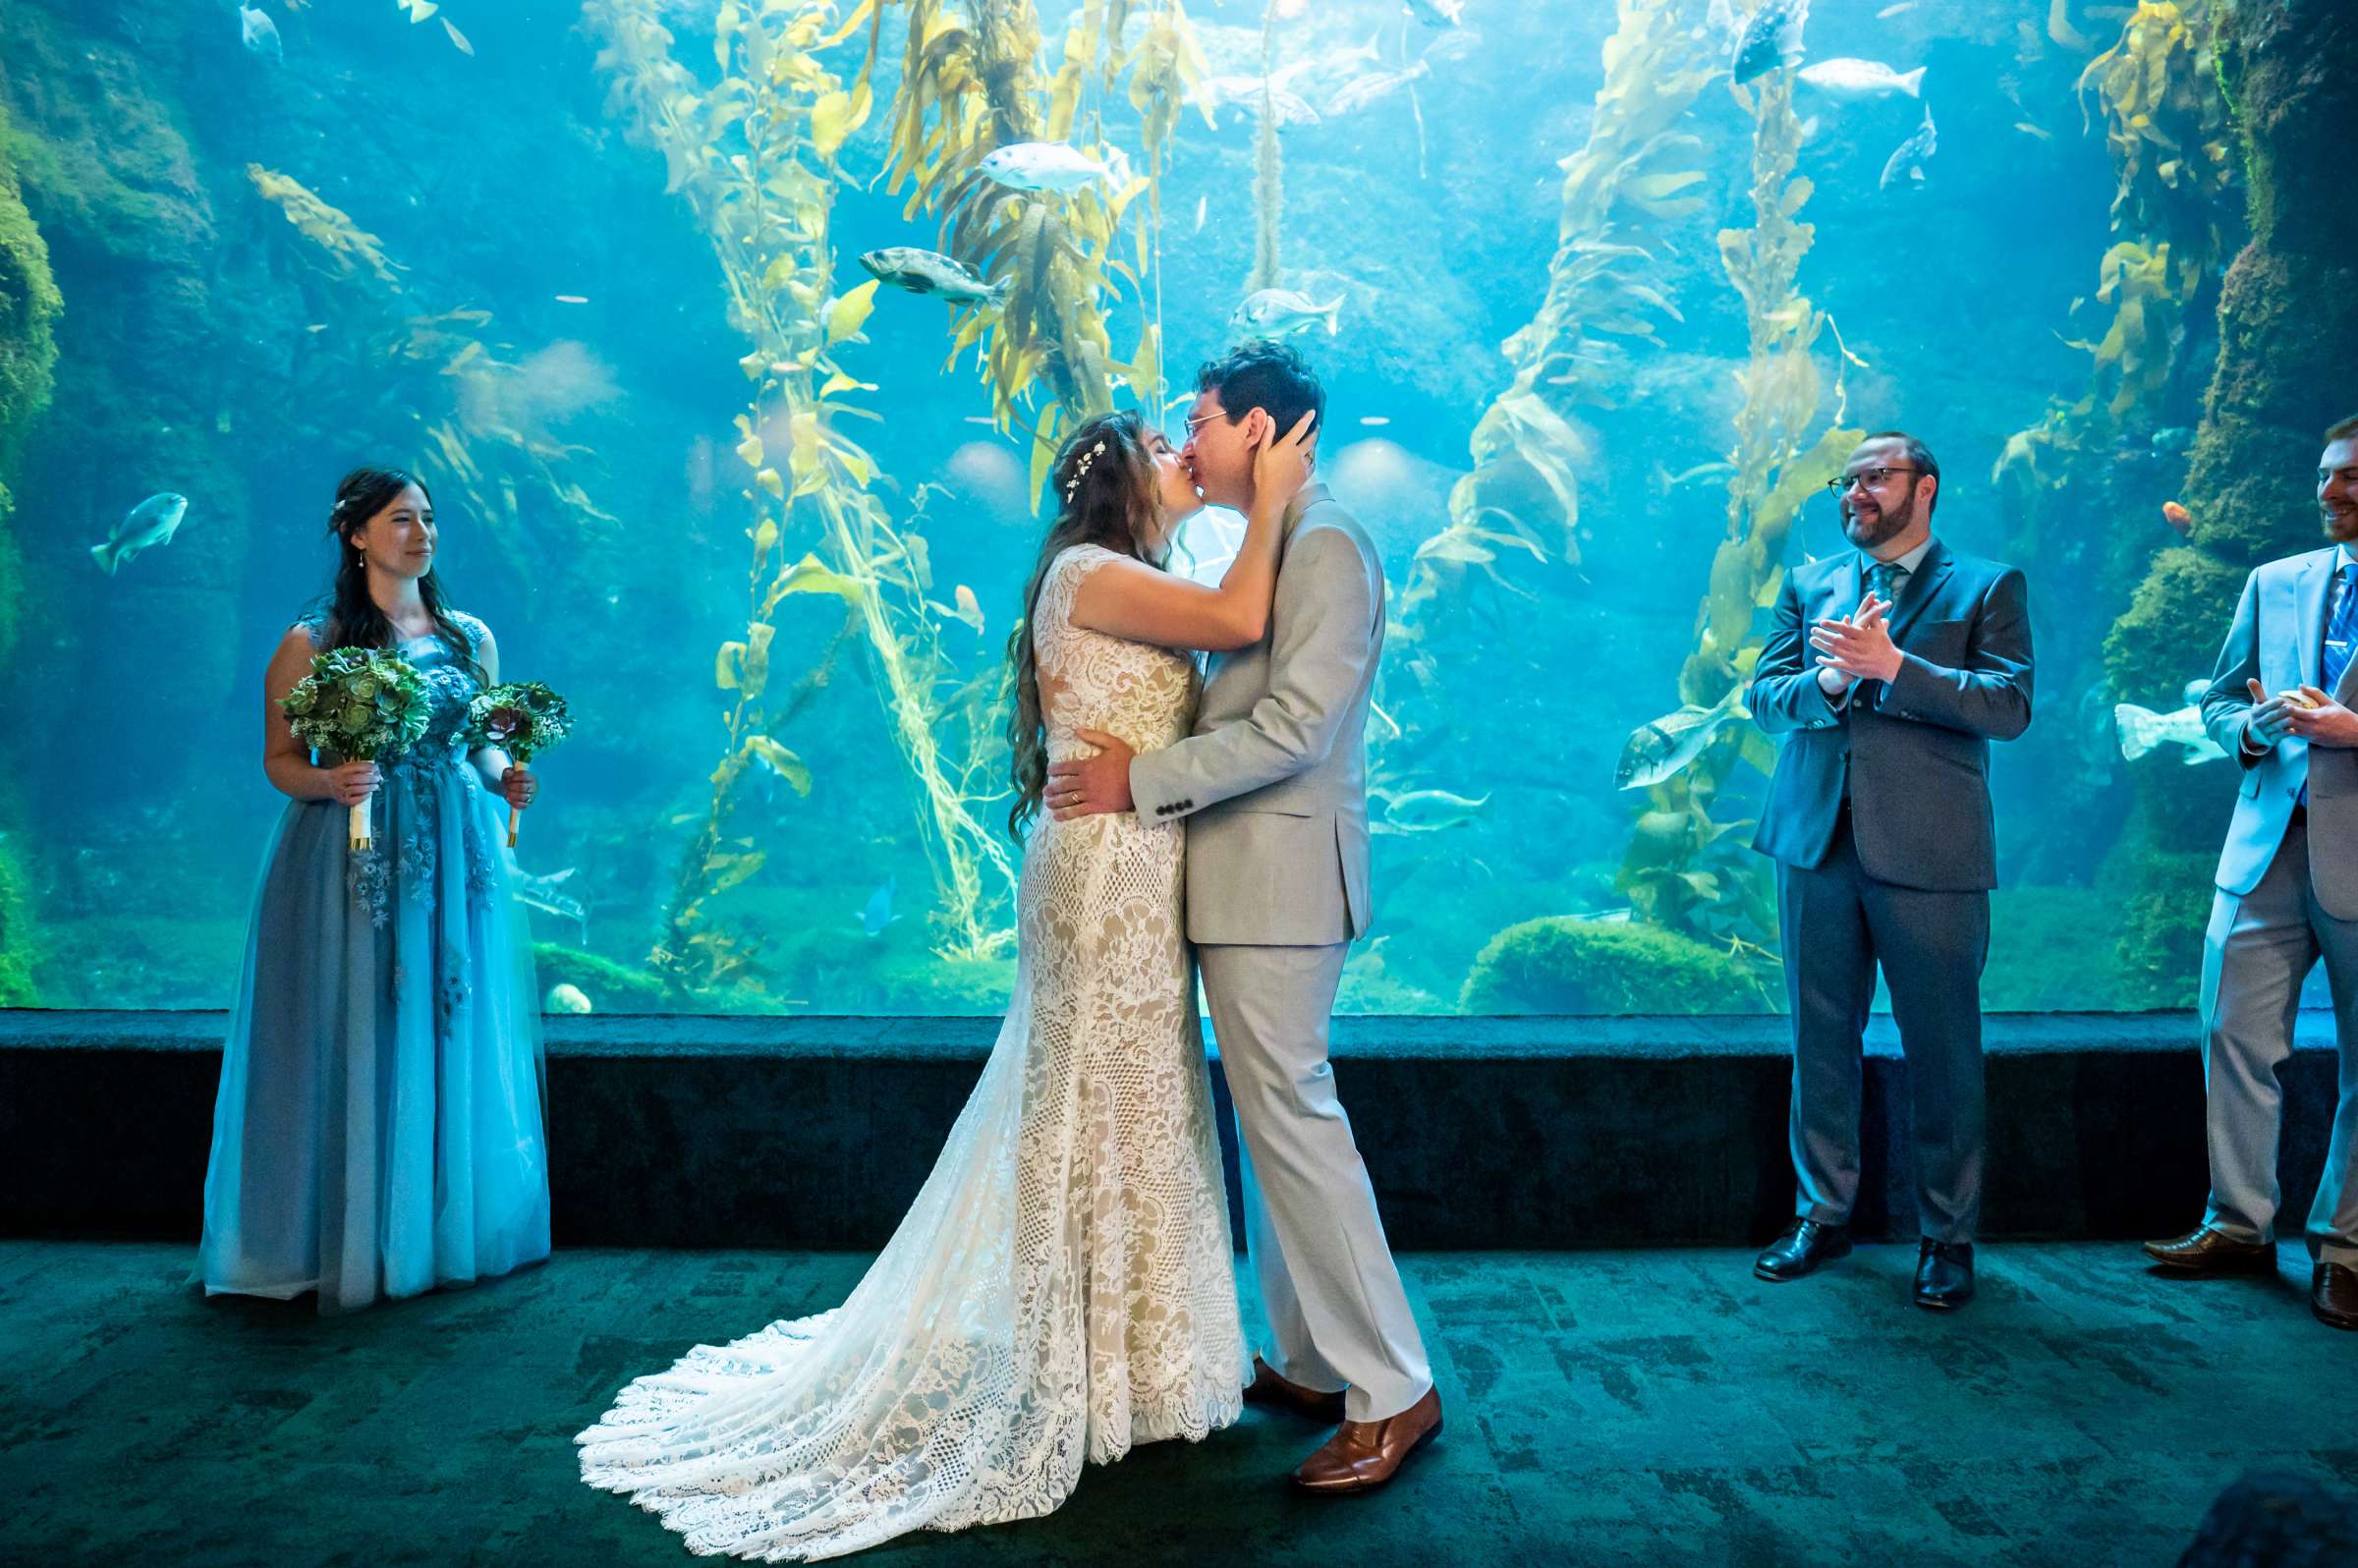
(1061, 1289)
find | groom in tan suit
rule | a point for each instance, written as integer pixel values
(1273, 782)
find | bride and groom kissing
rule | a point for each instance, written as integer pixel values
(1062, 1287)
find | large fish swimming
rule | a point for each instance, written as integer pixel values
(1279, 312)
(1426, 811)
(259, 32)
(1770, 37)
(1052, 166)
(1849, 77)
(1360, 91)
(920, 271)
(1908, 157)
(1437, 13)
(152, 523)
(878, 913)
(2142, 729)
(1659, 748)
(1288, 106)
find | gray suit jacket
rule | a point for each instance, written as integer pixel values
(1274, 776)
(2276, 639)
(1914, 753)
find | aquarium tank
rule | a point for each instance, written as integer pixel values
(1598, 303)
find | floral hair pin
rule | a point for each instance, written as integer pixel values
(1086, 458)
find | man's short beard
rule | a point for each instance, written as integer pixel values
(1895, 521)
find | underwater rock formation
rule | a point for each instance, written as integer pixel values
(30, 305)
(2289, 333)
(1563, 964)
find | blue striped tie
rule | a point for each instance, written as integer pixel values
(2340, 627)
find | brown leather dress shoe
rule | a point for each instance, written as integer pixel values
(1363, 1455)
(2333, 1295)
(2204, 1251)
(1268, 1388)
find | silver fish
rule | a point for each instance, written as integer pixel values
(920, 271)
(878, 913)
(1203, 205)
(1360, 91)
(2142, 729)
(1659, 748)
(540, 894)
(259, 32)
(1052, 166)
(1279, 313)
(1769, 38)
(1425, 811)
(2171, 441)
(1849, 77)
(152, 521)
(1215, 93)
(1452, 45)
(1908, 157)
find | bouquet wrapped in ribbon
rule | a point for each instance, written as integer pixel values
(360, 703)
(522, 719)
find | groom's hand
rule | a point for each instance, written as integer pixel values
(1092, 786)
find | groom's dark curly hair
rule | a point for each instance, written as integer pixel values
(1265, 373)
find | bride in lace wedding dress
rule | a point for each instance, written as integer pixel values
(1062, 1287)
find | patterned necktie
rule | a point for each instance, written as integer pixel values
(2340, 627)
(1883, 579)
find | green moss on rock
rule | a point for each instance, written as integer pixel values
(2171, 631)
(16, 936)
(610, 986)
(1561, 963)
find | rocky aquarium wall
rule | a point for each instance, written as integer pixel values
(1597, 320)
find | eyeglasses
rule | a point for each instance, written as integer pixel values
(1204, 418)
(1840, 485)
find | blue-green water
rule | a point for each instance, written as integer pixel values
(478, 271)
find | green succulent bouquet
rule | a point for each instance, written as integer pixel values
(524, 718)
(360, 703)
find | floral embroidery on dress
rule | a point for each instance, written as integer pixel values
(418, 777)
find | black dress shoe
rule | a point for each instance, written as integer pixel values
(1800, 1250)
(1944, 1276)
(1268, 1388)
(2204, 1251)
(2333, 1295)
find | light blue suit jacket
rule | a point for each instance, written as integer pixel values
(2277, 638)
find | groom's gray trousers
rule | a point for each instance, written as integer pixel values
(1338, 1315)
(1273, 785)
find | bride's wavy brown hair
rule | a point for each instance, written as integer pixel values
(1106, 489)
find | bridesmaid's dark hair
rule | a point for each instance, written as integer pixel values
(1106, 492)
(354, 619)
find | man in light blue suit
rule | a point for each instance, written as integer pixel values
(2287, 896)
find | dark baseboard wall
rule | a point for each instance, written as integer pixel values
(1528, 1133)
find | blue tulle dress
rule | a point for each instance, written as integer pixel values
(379, 1128)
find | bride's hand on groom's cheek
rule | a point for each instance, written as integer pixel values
(1090, 786)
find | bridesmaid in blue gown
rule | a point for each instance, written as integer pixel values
(379, 1128)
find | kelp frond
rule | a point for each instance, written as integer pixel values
(1684, 869)
(348, 247)
(498, 465)
(1606, 293)
(2166, 127)
(753, 155)
(971, 87)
